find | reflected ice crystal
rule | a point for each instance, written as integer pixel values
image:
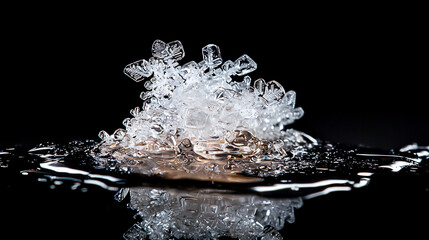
(204, 102)
(204, 214)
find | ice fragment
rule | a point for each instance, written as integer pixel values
(274, 92)
(119, 134)
(188, 69)
(228, 65)
(298, 112)
(290, 99)
(175, 50)
(138, 70)
(159, 49)
(195, 118)
(259, 86)
(211, 55)
(244, 65)
(103, 135)
(145, 95)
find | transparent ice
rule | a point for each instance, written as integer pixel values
(205, 108)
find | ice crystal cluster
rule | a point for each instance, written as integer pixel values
(211, 107)
(202, 214)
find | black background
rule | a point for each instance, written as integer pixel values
(360, 74)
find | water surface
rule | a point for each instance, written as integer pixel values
(58, 190)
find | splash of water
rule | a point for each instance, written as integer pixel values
(323, 166)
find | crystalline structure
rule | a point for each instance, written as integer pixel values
(211, 56)
(204, 105)
(208, 214)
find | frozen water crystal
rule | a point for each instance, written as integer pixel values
(274, 92)
(259, 86)
(194, 118)
(159, 49)
(175, 50)
(138, 70)
(211, 55)
(244, 65)
(206, 105)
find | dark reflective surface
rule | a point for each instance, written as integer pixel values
(53, 190)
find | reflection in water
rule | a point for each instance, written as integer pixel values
(232, 208)
(207, 214)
